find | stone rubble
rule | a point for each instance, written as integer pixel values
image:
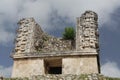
(31, 38)
(65, 77)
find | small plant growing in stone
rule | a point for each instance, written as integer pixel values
(69, 33)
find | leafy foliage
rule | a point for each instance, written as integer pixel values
(69, 33)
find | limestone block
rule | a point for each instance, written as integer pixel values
(27, 67)
(82, 65)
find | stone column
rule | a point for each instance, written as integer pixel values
(26, 35)
(87, 32)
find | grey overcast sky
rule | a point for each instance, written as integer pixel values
(54, 16)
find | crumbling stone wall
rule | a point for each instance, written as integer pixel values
(31, 38)
(49, 43)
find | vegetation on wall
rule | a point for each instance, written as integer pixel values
(69, 33)
(65, 77)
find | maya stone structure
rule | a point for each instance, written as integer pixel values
(37, 53)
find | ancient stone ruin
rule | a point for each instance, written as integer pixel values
(37, 53)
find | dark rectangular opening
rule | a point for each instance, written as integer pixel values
(55, 70)
(53, 66)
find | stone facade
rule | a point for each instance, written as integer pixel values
(37, 53)
(87, 32)
(80, 65)
(28, 67)
(70, 63)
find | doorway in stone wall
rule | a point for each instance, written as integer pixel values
(53, 66)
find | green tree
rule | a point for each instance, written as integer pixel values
(69, 33)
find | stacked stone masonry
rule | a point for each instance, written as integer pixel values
(87, 32)
(31, 38)
(37, 53)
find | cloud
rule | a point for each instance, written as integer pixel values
(5, 36)
(13, 10)
(74, 8)
(5, 71)
(110, 69)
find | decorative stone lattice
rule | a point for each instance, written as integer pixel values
(87, 32)
(25, 36)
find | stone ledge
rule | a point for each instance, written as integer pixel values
(53, 54)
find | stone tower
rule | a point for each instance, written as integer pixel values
(87, 32)
(26, 34)
(37, 53)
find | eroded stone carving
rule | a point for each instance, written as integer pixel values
(87, 33)
(31, 38)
